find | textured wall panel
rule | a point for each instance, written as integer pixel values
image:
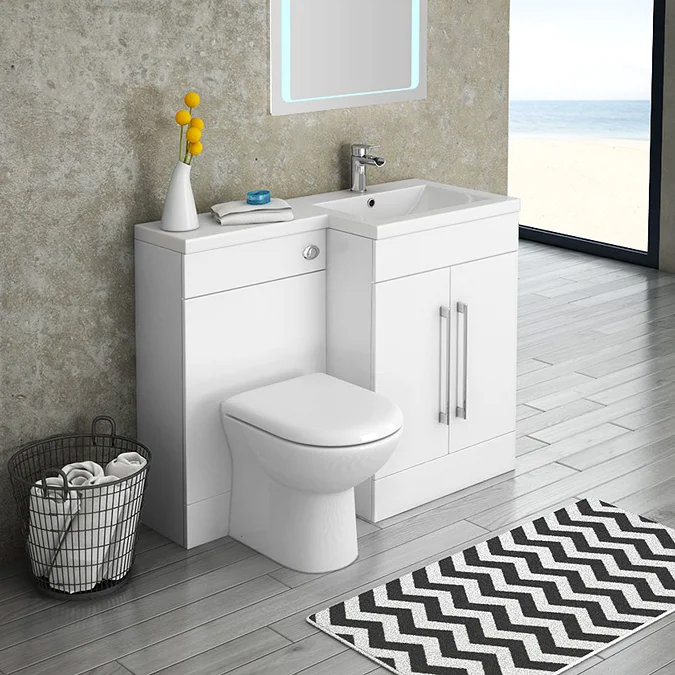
(88, 94)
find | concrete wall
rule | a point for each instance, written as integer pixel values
(89, 92)
(667, 236)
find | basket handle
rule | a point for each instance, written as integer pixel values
(45, 487)
(113, 429)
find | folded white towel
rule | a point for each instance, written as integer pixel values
(241, 213)
(240, 206)
(51, 511)
(80, 473)
(255, 218)
(125, 464)
(78, 564)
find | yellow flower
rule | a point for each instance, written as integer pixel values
(182, 117)
(196, 148)
(197, 122)
(192, 99)
(193, 134)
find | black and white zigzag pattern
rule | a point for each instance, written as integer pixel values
(537, 599)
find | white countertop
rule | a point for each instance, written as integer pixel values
(308, 217)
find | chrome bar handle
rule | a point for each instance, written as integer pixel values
(463, 309)
(444, 386)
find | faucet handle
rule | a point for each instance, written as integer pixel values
(361, 149)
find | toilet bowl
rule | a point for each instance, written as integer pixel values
(299, 447)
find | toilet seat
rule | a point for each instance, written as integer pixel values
(318, 410)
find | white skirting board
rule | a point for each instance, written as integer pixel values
(398, 492)
(207, 520)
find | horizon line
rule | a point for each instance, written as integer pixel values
(578, 100)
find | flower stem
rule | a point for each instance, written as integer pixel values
(187, 144)
(180, 143)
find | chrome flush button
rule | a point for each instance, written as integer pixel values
(310, 252)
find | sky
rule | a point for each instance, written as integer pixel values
(580, 49)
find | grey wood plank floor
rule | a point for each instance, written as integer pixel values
(596, 417)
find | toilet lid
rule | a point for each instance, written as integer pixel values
(317, 409)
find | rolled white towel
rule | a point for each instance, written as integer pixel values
(125, 464)
(79, 477)
(78, 470)
(78, 564)
(51, 510)
(120, 555)
(121, 550)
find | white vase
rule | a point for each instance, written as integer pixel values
(179, 213)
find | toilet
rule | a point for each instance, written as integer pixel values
(299, 447)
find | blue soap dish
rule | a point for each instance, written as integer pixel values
(258, 197)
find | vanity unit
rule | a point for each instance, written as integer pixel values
(408, 290)
(427, 318)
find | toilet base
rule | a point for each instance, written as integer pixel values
(305, 531)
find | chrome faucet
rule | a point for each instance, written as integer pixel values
(360, 158)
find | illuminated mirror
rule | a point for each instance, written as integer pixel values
(328, 54)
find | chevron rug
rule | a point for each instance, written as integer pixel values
(537, 599)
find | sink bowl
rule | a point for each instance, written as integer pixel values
(381, 206)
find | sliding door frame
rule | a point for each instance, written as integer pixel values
(649, 258)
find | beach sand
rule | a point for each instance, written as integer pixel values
(596, 189)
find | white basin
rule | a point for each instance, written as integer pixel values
(381, 206)
(412, 205)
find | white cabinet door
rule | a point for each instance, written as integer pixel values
(235, 341)
(483, 349)
(409, 356)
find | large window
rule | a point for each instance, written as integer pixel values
(581, 131)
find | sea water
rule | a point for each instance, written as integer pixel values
(580, 119)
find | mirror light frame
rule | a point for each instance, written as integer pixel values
(281, 101)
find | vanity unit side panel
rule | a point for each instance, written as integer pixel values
(445, 246)
(236, 341)
(411, 361)
(159, 385)
(349, 307)
(349, 318)
(483, 335)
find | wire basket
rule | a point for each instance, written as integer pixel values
(79, 538)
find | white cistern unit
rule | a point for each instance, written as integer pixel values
(216, 315)
(361, 345)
